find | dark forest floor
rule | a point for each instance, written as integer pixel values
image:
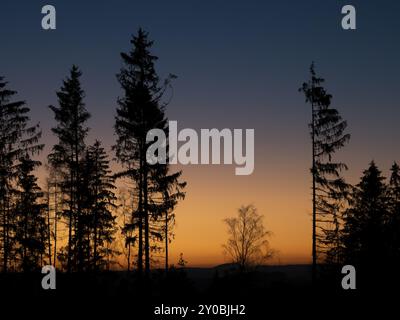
(275, 290)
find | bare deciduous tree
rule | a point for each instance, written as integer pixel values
(248, 243)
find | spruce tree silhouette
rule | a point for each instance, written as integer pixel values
(329, 190)
(30, 215)
(54, 199)
(141, 109)
(364, 222)
(71, 130)
(17, 139)
(98, 205)
(171, 191)
(394, 220)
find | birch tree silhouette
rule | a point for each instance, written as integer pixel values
(248, 243)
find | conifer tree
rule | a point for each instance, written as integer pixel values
(99, 199)
(140, 110)
(329, 189)
(71, 117)
(170, 191)
(54, 199)
(365, 220)
(126, 205)
(17, 138)
(30, 213)
(393, 229)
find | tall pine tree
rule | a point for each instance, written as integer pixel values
(17, 138)
(30, 213)
(71, 117)
(365, 223)
(170, 191)
(329, 189)
(98, 202)
(140, 110)
(394, 219)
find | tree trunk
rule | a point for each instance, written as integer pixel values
(70, 224)
(48, 223)
(314, 205)
(140, 222)
(146, 226)
(78, 208)
(129, 256)
(26, 222)
(55, 224)
(166, 241)
(95, 242)
(3, 210)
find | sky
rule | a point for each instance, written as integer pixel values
(239, 65)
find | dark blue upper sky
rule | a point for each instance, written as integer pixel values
(239, 63)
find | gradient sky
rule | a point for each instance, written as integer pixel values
(239, 65)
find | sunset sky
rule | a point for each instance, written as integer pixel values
(239, 65)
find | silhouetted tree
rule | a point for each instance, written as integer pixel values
(170, 191)
(46, 196)
(55, 204)
(182, 262)
(394, 219)
(126, 206)
(248, 243)
(139, 111)
(329, 189)
(71, 130)
(365, 220)
(98, 204)
(17, 139)
(31, 225)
